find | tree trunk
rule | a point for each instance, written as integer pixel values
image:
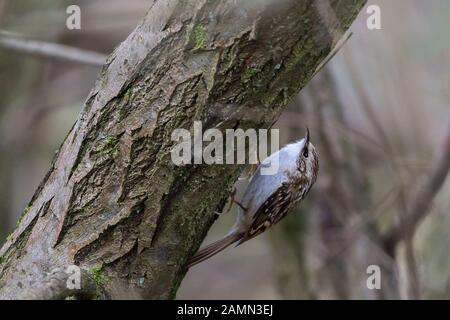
(113, 202)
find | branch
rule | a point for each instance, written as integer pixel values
(113, 198)
(16, 43)
(422, 199)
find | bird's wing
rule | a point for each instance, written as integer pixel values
(270, 212)
(261, 187)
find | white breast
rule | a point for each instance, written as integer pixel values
(262, 186)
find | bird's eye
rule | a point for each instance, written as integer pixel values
(305, 152)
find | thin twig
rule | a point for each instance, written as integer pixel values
(332, 54)
(372, 117)
(354, 230)
(15, 42)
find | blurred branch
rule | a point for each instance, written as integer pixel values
(369, 110)
(12, 41)
(356, 227)
(366, 103)
(413, 277)
(421, 201)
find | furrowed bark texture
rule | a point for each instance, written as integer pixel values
(113, 203)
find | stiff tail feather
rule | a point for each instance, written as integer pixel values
(213, 248)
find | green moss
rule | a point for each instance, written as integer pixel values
(127, 94)
(198, 36)
(176, 284)
(23, 215)
(249, 73)
(97, 275)
(108, 146)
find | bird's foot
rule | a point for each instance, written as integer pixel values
(232, 195)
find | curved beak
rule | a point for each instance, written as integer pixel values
(307, 136)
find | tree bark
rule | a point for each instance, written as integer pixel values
(113, 202)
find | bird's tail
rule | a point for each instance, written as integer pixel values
(213, 248)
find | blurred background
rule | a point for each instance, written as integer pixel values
(378, 112)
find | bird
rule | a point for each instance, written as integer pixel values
(269, 197)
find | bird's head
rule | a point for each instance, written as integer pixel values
(308, 162)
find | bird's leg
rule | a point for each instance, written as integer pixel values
(232, 195)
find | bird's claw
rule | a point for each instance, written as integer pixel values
(231, 194)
